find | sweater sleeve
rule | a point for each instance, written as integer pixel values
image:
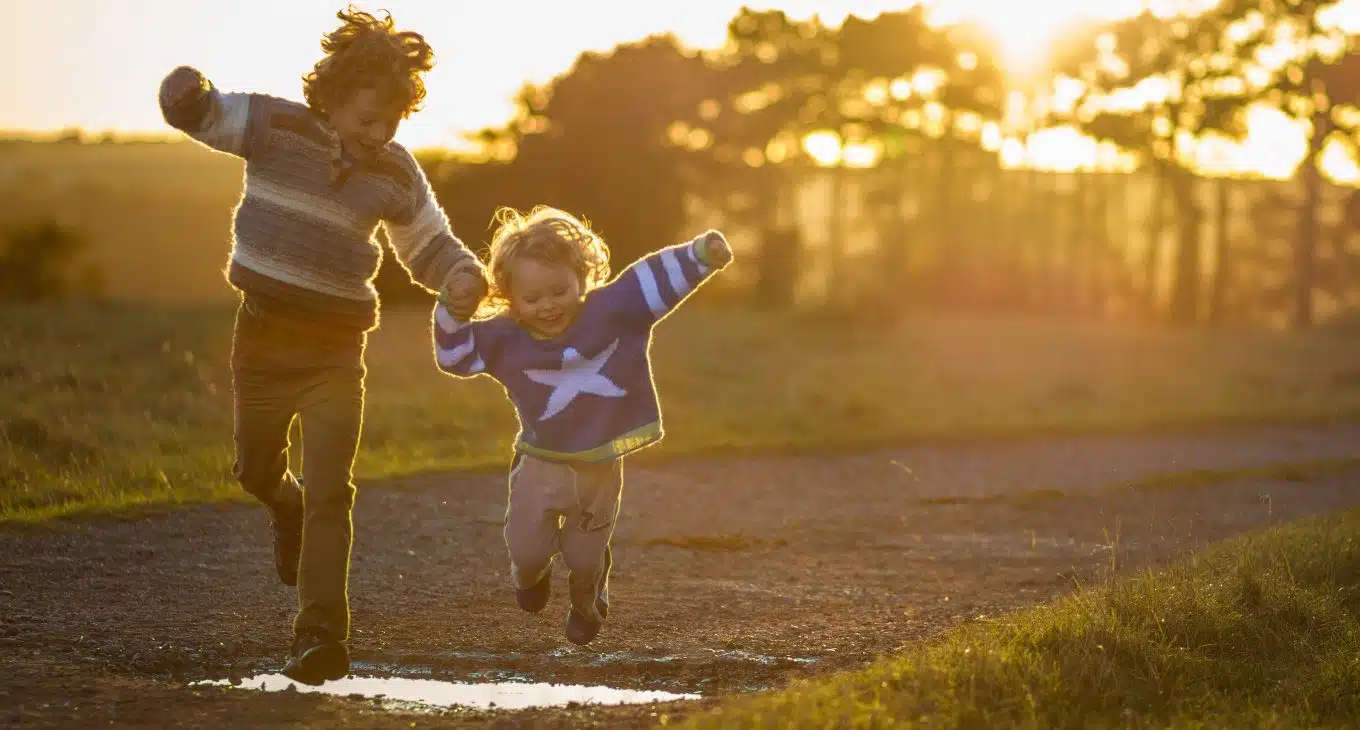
(458, 349)
(420, 232)
(224, 122)
(653, 286)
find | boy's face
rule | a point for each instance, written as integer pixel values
(543, 296)
(365, 124)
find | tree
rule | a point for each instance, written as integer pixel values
(592, 142)
(1150, 83)
(37, 262)
(1306, 63)
(894, 84)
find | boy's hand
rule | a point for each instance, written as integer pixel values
(463, 292)
(182, 84)
(716, 250)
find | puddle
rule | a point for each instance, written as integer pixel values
(434, 693)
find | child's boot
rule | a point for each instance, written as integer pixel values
(316, 657)
(535, 597)
(581, 629)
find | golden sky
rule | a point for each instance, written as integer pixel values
(96, 64)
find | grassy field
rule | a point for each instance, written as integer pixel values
(118, 406)
(144, 208)
(1262, 631)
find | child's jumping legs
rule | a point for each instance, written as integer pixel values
(281, 371)
(572, 509)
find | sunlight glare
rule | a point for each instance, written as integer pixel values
(1338, 164)
(1061, 149)
(861, 155)
(1026, 31)
(824, 147)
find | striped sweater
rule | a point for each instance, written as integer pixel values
(303, 230)
(586, 394)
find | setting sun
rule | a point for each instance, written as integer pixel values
(108, 90)
(1025, 31)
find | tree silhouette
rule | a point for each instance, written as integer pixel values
(1307, 67)
(37, 262)
(592, 141)
(1149, 84)
(894, 82)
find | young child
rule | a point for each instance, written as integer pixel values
(319, 178)
(572, 354)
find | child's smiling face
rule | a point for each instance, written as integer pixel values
(543, 296)
(365, 124)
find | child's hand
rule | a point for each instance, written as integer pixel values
(183, 83)
(180, 84)
(716, 250)
(464, 291)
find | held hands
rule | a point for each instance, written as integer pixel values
(463, 292)
(183, 84)
(715, 249)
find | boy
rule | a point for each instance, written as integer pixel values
(319, 178)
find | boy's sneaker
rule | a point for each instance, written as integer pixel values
(582, 630)
(316, 658)
(535, 597)
(287, 546)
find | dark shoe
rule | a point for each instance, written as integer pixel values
(316, 658)
(288, 545)
(581, 630)
(534, 598)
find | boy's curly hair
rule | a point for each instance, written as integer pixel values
(548, 235)
(366, 52)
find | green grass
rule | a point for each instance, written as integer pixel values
(103, 408)
(1292, 472)
(1300, 471)
(1259, 632)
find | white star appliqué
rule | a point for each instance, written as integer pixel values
(577, 375)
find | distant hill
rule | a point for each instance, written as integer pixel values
(157, 214)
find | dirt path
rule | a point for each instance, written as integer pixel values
(730, 576)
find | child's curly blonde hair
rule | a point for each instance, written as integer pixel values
(547, 235)
(366, 52)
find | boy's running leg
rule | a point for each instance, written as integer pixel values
(332, 407)
(264, 405)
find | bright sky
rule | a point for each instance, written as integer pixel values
(97, 64)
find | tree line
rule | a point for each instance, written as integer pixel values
(873, 164)
(877, 165)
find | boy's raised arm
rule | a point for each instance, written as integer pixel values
(191, 104)
(654, 285)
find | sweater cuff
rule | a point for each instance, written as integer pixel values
(468, 264)
(701, 248)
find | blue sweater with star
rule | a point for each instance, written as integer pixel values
(586, 394)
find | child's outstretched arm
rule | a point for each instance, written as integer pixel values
(424, 242)
(191, 104)
(656, 284)
(455, 344)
